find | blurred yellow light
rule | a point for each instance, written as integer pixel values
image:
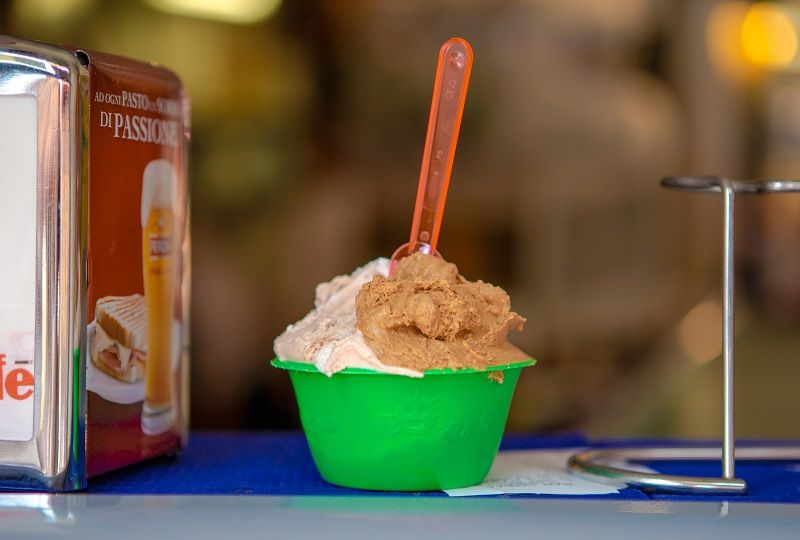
(700, 332)
(232, 11)
(723, 39)
(53, 10)
(769, 36)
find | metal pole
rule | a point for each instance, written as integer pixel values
(728, 452)
(600, 464)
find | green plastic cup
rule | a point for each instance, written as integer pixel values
(377, 431)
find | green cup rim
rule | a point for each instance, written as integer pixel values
(293, 365)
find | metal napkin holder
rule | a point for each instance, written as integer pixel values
(603, 464)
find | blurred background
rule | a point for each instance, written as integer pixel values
(309, 119)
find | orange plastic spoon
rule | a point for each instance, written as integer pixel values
(447, 106)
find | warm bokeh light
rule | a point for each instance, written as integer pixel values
(723, 41)
(700, 332)
(232, 11)
(51, 10)
(769, 36)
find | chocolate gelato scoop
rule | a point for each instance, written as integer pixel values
(428, 316)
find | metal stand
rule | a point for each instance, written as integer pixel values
(597, 463)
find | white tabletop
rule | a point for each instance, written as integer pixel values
(154, 517)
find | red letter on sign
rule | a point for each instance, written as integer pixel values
(19, 384)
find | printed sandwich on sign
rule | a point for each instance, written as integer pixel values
(119, 345)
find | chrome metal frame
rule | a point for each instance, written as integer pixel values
(53, 459)
(598, 464)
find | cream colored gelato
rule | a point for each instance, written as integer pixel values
(327, 336)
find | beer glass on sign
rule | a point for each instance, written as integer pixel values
(158, 186)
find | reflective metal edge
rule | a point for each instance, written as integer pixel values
(186, 278)
(715, 184)
(54, 459)
(603, 465)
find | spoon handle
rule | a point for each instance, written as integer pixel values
(447, 106)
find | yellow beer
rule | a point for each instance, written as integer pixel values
(157, 258)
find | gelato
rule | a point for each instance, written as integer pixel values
(425, 316)
(327, 336)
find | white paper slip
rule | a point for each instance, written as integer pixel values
(540, 472)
